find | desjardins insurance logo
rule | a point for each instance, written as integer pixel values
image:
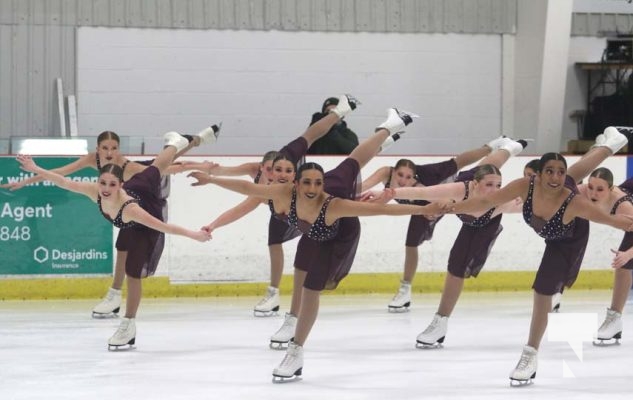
(42, 254)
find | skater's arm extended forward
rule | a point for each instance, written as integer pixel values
(233, 214)
(241, 186)
(453, 190)
(134, 212)
(79, 164)
(86, 188)
(340, 208)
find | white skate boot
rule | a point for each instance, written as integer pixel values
(175, 139)
(109, 306)
(556, 301)
(496, 143)
(610, 332)
(402, 300)
(346, 103)
(124, 337)
(525, 370)
(433, 336)
(512, 146)
(613, 139)
(210, 134)
(291, 366)
(269, 305)
(397, 120)
(390, 141)
(285, 334)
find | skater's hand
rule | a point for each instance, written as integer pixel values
(620, 259)
(208, 228)
(378, 196)
(201, 236)
(27, 163)
(201, 178)
(13, 185)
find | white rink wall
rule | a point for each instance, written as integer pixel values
(239, 252)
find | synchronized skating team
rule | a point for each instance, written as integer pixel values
(322, 207)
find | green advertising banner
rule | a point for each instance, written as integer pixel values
(45, 230)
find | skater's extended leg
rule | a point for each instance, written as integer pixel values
(453, 286)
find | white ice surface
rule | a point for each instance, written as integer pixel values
(214, 348)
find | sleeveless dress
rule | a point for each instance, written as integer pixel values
(278, 229)
(475, 238)
(420, 228)
(143, 244)
(126, 238)
(327, 253)
(565, 245)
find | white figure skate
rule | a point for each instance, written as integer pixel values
(176, 139)
(210, 134)
(109, 306)
(402, 300)
(525, 370)
(124, 337)
(269, 304)
(610, 332)
(433, 336)
(285, 334)
(346, 103)
(291, 366)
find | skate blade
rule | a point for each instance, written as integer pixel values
(521, 382)
(426, 346)
(283, 379)
(398, 310)
(606, 342)
(111, 315)
(278, 345)
(122, 347)
(261, 314)
(287, 379)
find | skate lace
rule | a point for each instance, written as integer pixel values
(524, 361)
(402, 292)
(432, 326)
(266, 298)
(122, 331)
(610, 319)
(287, 361)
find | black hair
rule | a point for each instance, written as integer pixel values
(309, 166)
(551, 157)
(328, 102)
(108, 135)
(534, 165)
(112, 169)
(282, 156)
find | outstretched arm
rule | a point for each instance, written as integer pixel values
(583, 208)
(454, 191)
(241, 186)
(86, 188)
(82, 162)
(508, 193)
(379, 176)
(233, 214)
(135, 213)
(340, 208)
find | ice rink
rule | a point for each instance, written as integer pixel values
(214, 348)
